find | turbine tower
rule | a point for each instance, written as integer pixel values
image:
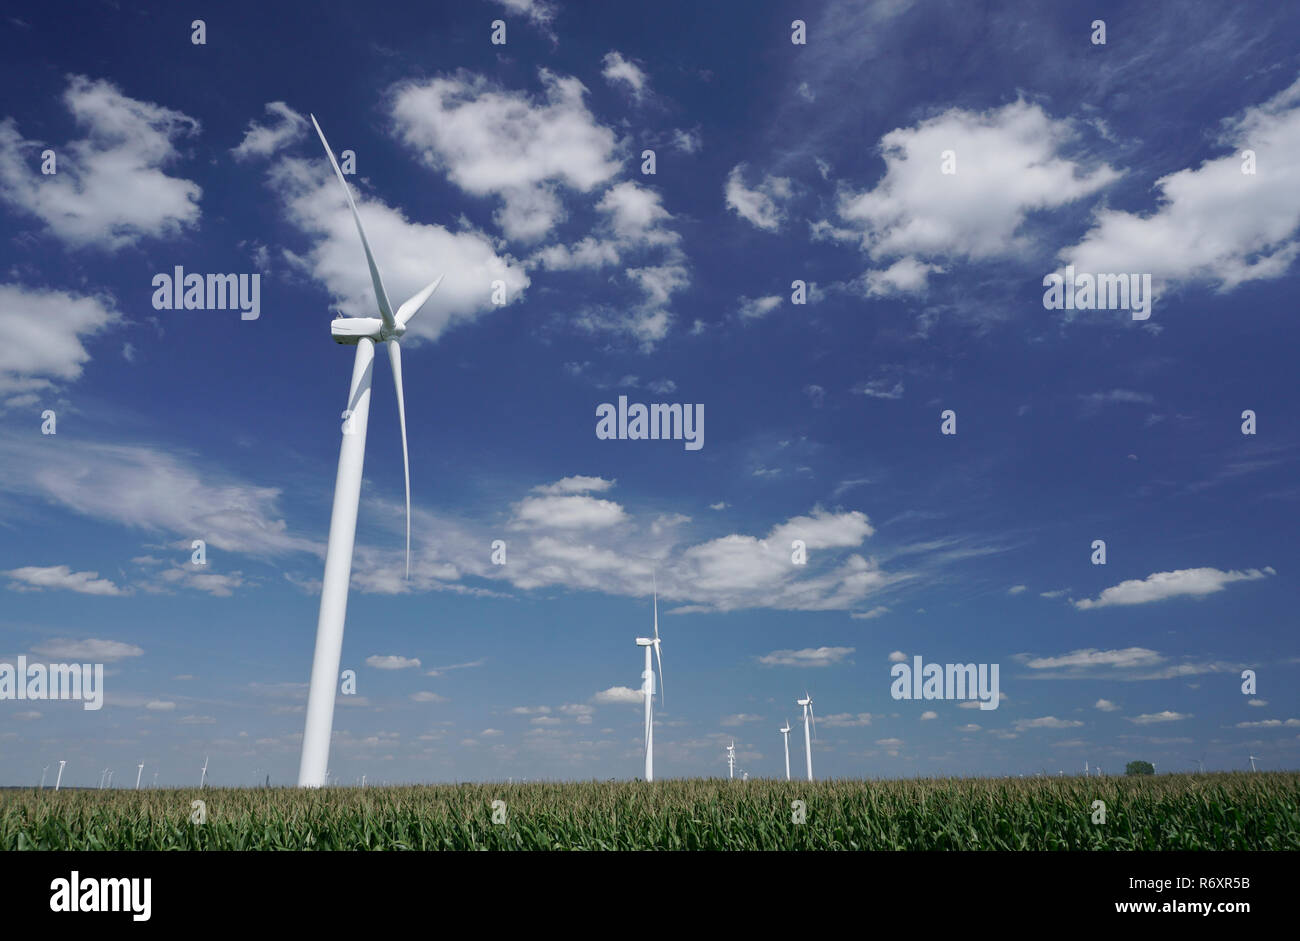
(139, 770)
(731, 759)
(785, 736)
(110, 779)
(364, 333)
(59, 779)
(806, 702)
(203, 779)
(1252, 762)
(648, 688)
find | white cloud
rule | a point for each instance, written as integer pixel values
(539, 12)
(1017, 589)
(494, 142)
(45, 333)
(1270, 724)
(1046, 722)
(61, 576)
(740, 719)
(576, 484)
(409, 254)
(1092, 657)
(620, 70)
(1152, 717)
(1105, 705)
(426, 696)
(929, 714)
(1257, 702)
(530, 710)
(752, 308)
(391, 662)
(880, 389)
(877, 611)
(758, 206)
(844, 720)
(1009, 165)
(1160, 586)
(1214, 223)
(897, 657)
(566, 512)
(109, 190)
(262, 140)
(90, 649)
(159, 705)
(619, 695)
(151, 489)
(905, 276)
(807, 657)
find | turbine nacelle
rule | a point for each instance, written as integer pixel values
(645, 641)
(348, 330)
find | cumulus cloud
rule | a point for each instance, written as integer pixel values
(1160, 586)
(1046, 722)
(1214, 223)
(621, 71)
(46, 333)
(618, 695)
(391, 662)
(1105, 705)
(807, 657)
(262, 140)
(1009, 163)
(35, 577)
(409, 254)
(760, 206)
(754, 308)
(90, 649)
(519, 149)
(1153, 717)
(844, 720)
(110, 190)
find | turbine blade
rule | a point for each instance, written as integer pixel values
(395, 357)
(381, 296)
(412, 305)
(661, 671)
(812, 715)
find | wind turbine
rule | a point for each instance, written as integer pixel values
(362, 332)
(138, 771)
(1085, 769)
(1252, 762)
(43, 770)
(785, 736)
(731, 759)
(59, 779)
(806, 702)
(203, 779)
(110, 779)
(648, 688)
(102, 775)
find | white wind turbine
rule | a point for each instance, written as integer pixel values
(43, 770)
(806, 702)
(731, 760)
(363, 332)
(102, 775)
(139, 770)
(648, 688)
(110, 779)
(203, 779)
(1252, 762)
(785, 736)
(59, 779)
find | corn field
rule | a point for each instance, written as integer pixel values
(1230, 811)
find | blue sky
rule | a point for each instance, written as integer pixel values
(775, 162)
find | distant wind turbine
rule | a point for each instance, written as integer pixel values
(102, 776)
(785, 737)
(204, 777)
(139, 771)
(43, 770)
(648, 687)
(110, 779)
(1252, 762)
(59, 779)
(731, 759)
(363, 332)
(806, 702)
